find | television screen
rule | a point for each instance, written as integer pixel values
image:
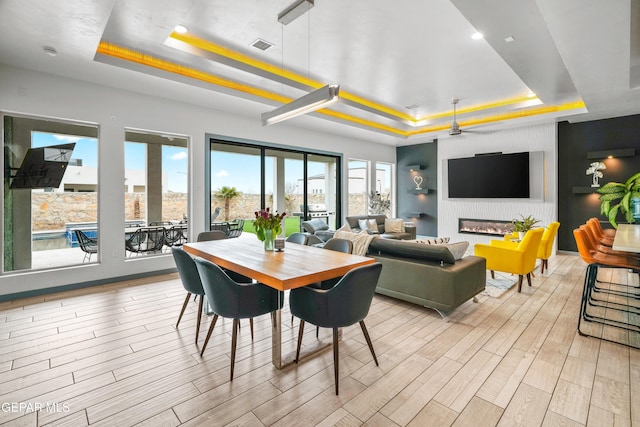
(494, 176)
(43, 167)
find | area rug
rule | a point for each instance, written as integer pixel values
(498, 286)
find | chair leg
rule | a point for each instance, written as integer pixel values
(317, 331)
(336, 357)
(300, 332)
(519, 282)
(493, 276)
(184, 306)
(206, 340)
(366, 337)
(251, 327)
(234, 341)
(529, 279)
(199, 317)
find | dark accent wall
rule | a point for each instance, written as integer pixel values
(576, 203)
(411, 202)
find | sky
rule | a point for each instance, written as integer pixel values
(174, 159)
(228, 169)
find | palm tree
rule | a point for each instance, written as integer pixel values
(226, 193)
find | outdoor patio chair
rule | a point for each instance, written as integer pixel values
(235, 228)
(175, 236)
(88, 244)
(146, 240)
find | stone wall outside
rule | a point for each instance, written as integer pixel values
(51, 211)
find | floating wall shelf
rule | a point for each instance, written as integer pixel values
(423, 191)
(584, 190)
(604, 154)
(415, 214)
(414, 167)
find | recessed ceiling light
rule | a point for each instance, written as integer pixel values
(180, 29)
(509, 39)
(477, 36)
(49, 50)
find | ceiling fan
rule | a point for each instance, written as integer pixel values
(455, 127)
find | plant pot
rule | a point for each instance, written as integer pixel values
(521, 234)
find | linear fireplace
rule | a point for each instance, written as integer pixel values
(489, 227)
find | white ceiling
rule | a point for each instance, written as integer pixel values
(397, 54)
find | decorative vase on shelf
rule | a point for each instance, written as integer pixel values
(636, 208)
(269, 237)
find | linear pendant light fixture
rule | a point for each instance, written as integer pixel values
(294, 11)
(319, 98)
(312, 101)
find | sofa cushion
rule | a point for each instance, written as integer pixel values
(402, 248)
(314, 225)
(394, 225)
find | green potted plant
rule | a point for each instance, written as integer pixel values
(616, 197)
(524, 224)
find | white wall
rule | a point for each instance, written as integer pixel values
(530, 138)
(32, 93)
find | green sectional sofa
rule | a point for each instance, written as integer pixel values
(429, 275)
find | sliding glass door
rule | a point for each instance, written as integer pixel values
(304, 184)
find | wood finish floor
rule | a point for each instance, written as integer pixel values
(110, 356)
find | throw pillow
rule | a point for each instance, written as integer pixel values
(344, 228)
(458, 249)
(394, 225)
(360, 240)
(370, 225)
(436, 241)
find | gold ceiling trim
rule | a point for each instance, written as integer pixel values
(125, 54)
(129, 55)
(216, 49)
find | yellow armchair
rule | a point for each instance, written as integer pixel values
(510, 257)
(546, 244)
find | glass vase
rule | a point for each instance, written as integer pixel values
(635, 206)
(269, 237)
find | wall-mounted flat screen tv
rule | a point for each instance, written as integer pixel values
(43, 167)
(493, 175)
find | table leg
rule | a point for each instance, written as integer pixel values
(276, 343)
(276, 339)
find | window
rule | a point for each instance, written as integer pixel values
(50, 192)
(155, 183)
(358, 187)
(384, 189)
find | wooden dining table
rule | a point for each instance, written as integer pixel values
(627, 238)
(294, 267)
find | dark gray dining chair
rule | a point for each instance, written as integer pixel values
(190, 279)
(299, 238)
(211, 235)
(233, 300)
(346, 304)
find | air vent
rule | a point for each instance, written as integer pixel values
(261, 44)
